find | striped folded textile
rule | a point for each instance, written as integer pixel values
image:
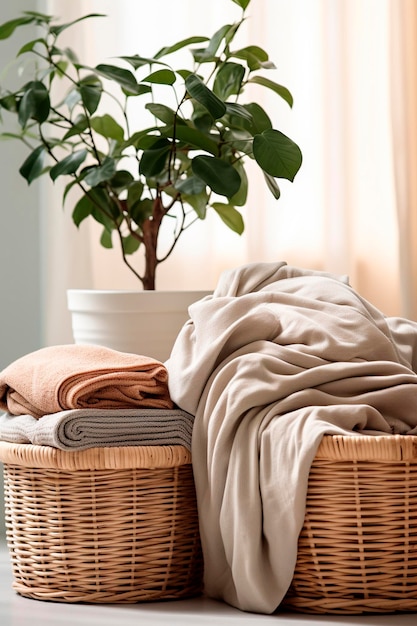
(78, 429)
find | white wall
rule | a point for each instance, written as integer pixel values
(20, 311)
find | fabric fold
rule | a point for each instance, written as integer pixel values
(275, 359)
(79, 376)
(79, 429)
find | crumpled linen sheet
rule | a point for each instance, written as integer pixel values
(79, 429)
(76, 376)
(275, 359)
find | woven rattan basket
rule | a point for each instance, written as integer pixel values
(357, 552)
(102, 525)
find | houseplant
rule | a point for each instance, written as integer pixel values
(190, 156)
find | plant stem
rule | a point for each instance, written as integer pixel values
(150, 229)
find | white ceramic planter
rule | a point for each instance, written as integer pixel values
(142, 322)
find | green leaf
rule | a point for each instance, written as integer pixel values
(134, 193)
(161, 112)
(56, 30)
(241, 196)
(91, 96)
(146, 140)
(260, 119)
(28, 47)
(80, 125)
(34, 103)
(239, 139)
(92, 80)
(9, 103)
(71, 56)
(272, 186)
(40, 17)
(230, 35)
(82, 209)
(123, 77)
(141, 210)
(219, 175)
(72, 98)
(254, 51)
(104, 209)
(234, 108)
(97, 204)
(153, 160)
(69, 165)
(279, 89)
(61, 67)
(106, 239)
(190, 186)
(130, 244)
(136, 138)
(184, 73)
(6, 136)
(255, 57)
(200, 92)
(228, 80)
(101, 173)
(242, 3)
(137, 61)
(192, 137)
(103, 218)
(198, 202)
(139, 91)
(208, 54)
(121, 180)
(277, 154)
(202, 118)
(106, 126)
(230, 216)
(161, 77)
(9, 27)
(177, 46)
(33, 165)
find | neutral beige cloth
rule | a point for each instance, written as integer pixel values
(277, 357)
(82, 376)
(79, 429)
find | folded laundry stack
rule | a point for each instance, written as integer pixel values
(75, 397)
(94, 449)
(79, 429)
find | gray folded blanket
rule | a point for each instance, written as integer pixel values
(78, 429)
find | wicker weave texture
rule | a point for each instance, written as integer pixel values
(357, 551)
(103, 535)
(122, 457)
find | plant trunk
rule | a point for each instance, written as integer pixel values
(150, 229)
(150, 270)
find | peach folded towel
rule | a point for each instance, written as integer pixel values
(77, 376)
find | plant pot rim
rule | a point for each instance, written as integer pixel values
(104, 301)
(137, 291)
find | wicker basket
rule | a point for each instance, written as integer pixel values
(357, 551)
(102, 525)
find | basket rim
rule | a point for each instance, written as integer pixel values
(332, 447)
(114, 458)
(357, 447)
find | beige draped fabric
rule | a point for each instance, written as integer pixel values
(286, 357)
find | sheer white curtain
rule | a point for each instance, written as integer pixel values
(404, 120)
(340, 213)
